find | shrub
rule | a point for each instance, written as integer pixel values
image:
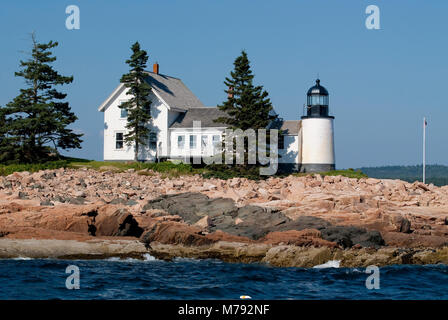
(222, 171)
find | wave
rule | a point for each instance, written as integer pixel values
(329, 264)
(146, 257)
(187, 280)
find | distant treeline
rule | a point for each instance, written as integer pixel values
(436, 174)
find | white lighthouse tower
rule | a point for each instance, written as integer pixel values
(317, 146)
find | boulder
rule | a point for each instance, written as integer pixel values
(306, 237)
(347, 236)
(120, 222)
(192, 206)
(76, 201)
(223, 236)
(204, 223)
(170, 232)
(293, 256)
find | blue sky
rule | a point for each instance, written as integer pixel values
(381, 82)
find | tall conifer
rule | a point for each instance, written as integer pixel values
(247, 106)
(138, 107)
(36, 121)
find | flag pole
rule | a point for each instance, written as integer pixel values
(424, 150)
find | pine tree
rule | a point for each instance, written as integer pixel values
(36, 121)
(138, 107)
(247, 106)
(4, 152)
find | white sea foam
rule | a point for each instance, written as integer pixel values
(113, 259)
(329, 264)
(182, 259)
(148, 257)
(22, 258)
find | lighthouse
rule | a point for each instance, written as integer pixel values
(317, 137)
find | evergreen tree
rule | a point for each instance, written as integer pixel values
(138, 107)
(2, 127)
(247, 106)
(38, 118)
(4, 154)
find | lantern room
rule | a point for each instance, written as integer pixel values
(317, 102)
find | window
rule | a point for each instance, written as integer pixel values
(318, 100)
(204, 141)
(119, 140)
(123, 113)
(216, 139)
(153, 140)
(180, 142)
(216, 142)
(192, 142)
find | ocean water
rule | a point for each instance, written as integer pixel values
(213, 279)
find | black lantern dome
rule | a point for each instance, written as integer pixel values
(317, 90)
(317, 102)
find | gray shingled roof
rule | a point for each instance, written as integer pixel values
(290, 127)
(173, 91)
(205, 115)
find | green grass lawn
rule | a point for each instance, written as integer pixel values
(349, 173)
(11, 168)
(167, 169)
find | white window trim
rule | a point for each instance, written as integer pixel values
(118, 106)
(207, 136)
(177, 142)
(115, 140)
(195, 141)
(122, 118)
(216, 142)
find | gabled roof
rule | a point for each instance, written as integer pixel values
(112, 97)
(205, 115)
(172, 91)
(290, 127)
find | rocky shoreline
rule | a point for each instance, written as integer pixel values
(286, 222)
(235, 252)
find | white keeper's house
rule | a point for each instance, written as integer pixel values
(307, 144)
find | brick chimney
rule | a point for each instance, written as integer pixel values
(155, 68)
